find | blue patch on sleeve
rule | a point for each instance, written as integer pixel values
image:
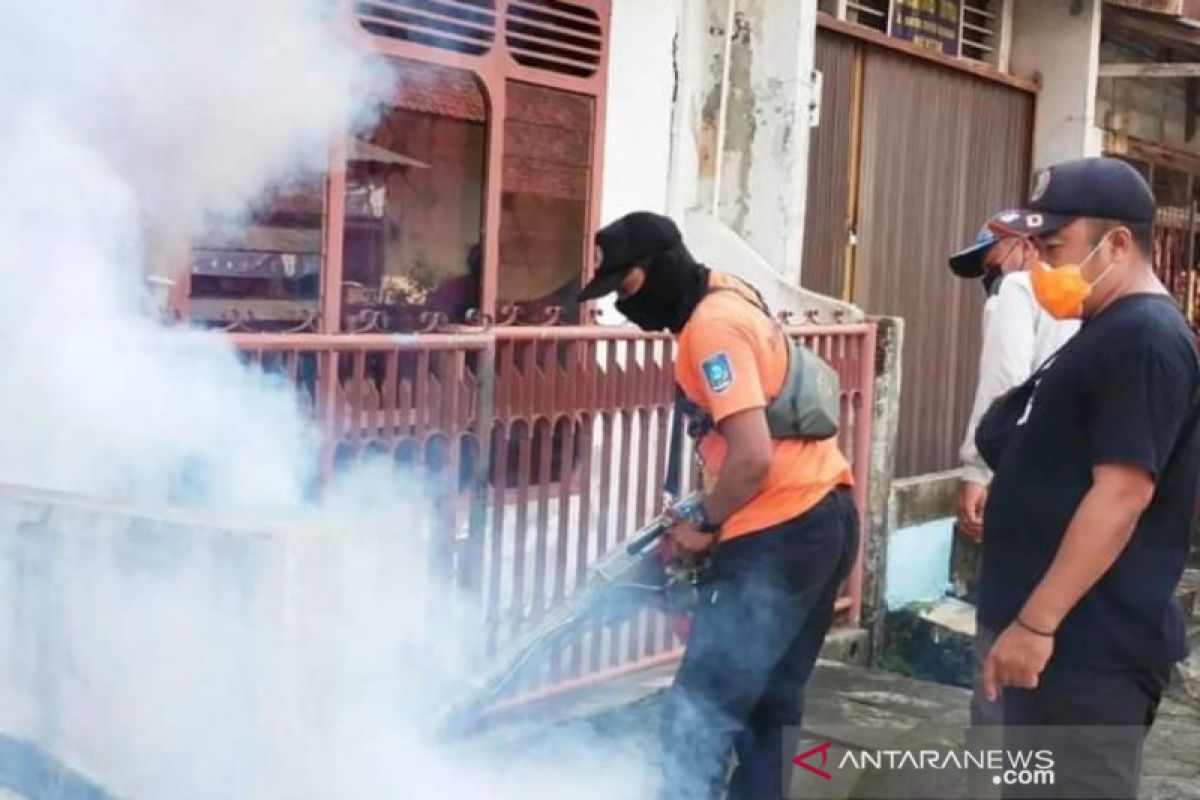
(718, 373)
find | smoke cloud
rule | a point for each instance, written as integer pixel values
(258, 647)
(124, 124)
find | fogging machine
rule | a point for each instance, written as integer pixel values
(619, 584)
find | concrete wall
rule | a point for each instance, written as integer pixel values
(718, 245)
(637, 134)
(762, 166)
(885, 422)
(740, 145)
(641, 83)
(664, 111)
(169, 655)
(921, 516)
(1061, 50)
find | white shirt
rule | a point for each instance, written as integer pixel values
(1018, 336)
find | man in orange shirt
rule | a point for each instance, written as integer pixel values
(778, 520)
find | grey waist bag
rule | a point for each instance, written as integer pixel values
(808, 405)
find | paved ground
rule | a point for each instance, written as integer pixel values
(855, 708)
(858, 707)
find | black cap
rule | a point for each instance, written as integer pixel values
(622, 244)
(968, 262)
(1099, 188)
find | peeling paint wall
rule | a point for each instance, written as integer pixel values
(664, 128)
(754, 134)
(691, 140)
(753, 119)
(764, 161)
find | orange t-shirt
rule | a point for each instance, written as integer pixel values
(732, 358)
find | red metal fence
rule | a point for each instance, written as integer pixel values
(542, 448)
(1175, 255)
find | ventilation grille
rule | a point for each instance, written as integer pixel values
(870, 13)
(556, 36)
(461, 26)
(979, 27)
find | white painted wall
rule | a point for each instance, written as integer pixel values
(718, 245)
(696, 68)
(1063, 50)
(637, 136)
(641, 82)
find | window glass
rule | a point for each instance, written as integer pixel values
(414, 203)
(544, 199)
(265, 270)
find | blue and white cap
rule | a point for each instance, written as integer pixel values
(968, 262)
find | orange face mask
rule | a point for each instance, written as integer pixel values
(1063, 290)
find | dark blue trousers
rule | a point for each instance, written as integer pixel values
(765, 607)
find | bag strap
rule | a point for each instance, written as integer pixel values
(757, 300)
(686, 408)
(671, 485)
(1049, 362)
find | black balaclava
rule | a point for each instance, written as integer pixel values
(675, 284)
(991, 280)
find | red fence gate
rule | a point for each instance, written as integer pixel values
(1175, 255)
(543, 447)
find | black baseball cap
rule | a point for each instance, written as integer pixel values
(623, 243)
(1099, 188)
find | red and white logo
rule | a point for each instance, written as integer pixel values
(802, 760)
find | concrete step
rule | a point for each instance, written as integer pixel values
(932, 641)
(1185, 678)
(847, 646)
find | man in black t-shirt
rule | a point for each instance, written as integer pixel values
(1097, 462)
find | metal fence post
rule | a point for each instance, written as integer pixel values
(471, 578)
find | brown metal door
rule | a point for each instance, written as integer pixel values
(829, 213)
(938, 150)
